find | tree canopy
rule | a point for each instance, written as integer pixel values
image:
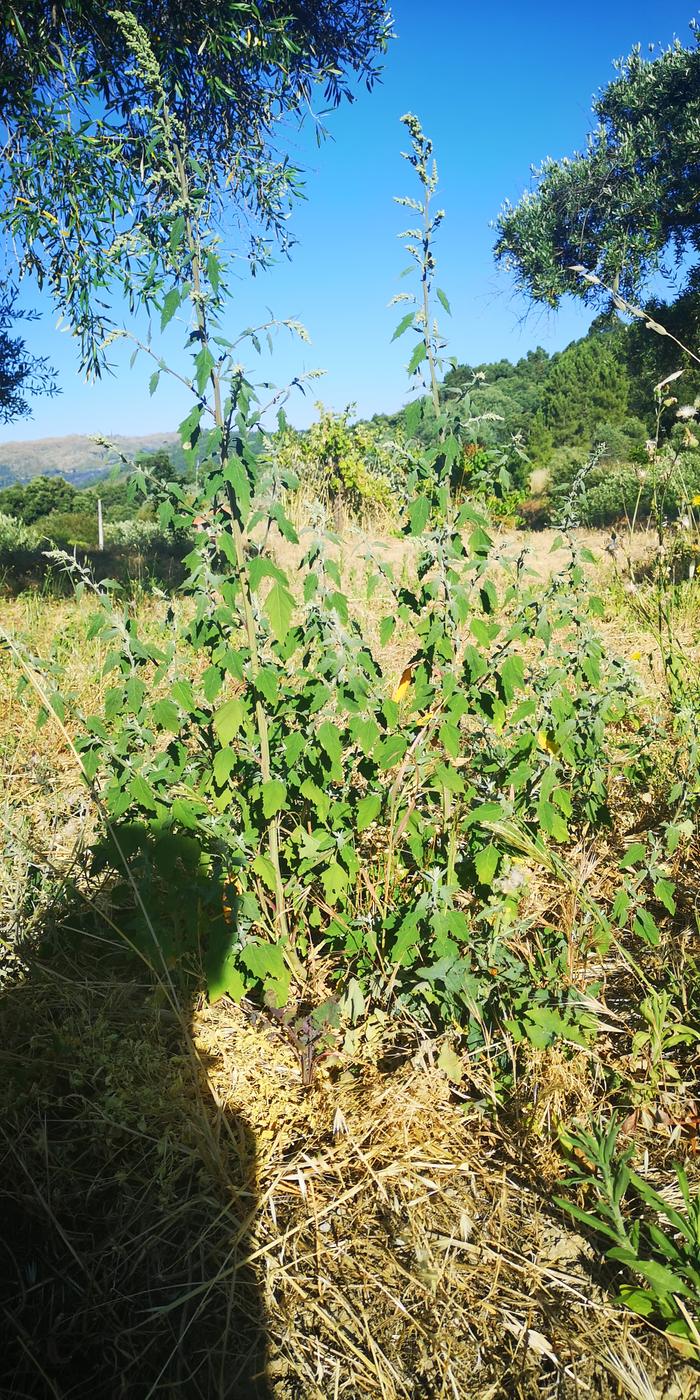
(628, 203)
(77, 169)
(22, 374)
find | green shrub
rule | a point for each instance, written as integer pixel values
(626, 491)
(14, 536)
(139, 534)
(343, 464)
(70, 528)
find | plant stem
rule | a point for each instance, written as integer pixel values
(239, 542)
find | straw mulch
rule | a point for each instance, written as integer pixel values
(402, 1246)
(180, 1217)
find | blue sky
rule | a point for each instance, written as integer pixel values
(498, 89)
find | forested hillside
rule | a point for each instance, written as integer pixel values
(599, 389)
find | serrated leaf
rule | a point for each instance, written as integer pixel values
(664, 891)
(386, 630)
(167, 715)
(263, 867)
(403, 325)
(278, 608)
(274, 796)
(224, 760)
(171, 303)
(486, 864)
(479, 542)
(646, 928)
(211, 683)
(448, 778)
(512, 674)
(260, 568)
(203, 366)
(391, 750)
(633, 855)
(228, 720)
(444, 301)
(329, 739)
(368, 808)
(417, 358)
(418, 514)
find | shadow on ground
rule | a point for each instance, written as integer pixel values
(126, 1195)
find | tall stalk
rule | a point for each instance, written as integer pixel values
(238, 534)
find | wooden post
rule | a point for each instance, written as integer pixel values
(100, 527)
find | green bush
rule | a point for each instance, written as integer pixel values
(139, 534)
(626, 491)
(14, 536)
(70, 528)
(342, 464)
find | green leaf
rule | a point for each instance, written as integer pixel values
(639, 1300)
(274, 796)
(419, 514)
(662, 1280)
(450, 1064)
(486, 863)
(548, 1021)
(368, 808)
(260, 568)
(183, 695)
(171, 303)
(646, 928)
(330, 741)
(365, 732)
(479, 542)
(633, 855)
(403, 325)
(224, 760)
(417, 358)
(225, 980)
(391, 750)
(592, 1221)
(552, 821)
(263, 867)
(187, 813)
(167, 715)
(386, 630)
(203, 366)
(266, 962)
(142, 792)
(266, 683)
(412, 416)
(335, 881)
(211, 683)
(443, 301)
(278, 607)
(450, 738)
(406, 939)
(448, 778)
(228, 720)
(664, 891)
(512, 675)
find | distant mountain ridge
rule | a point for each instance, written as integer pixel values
(76, 457)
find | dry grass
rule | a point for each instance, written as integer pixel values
(181, 1217)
